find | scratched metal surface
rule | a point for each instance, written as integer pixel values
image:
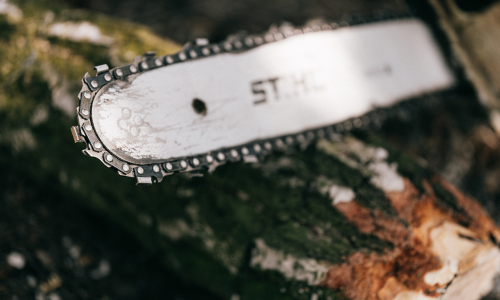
(335, 75)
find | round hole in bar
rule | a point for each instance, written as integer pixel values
(199, 106)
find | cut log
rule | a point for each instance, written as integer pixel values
(474, 30)
(349, 217)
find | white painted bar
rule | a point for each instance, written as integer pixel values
(322, 78)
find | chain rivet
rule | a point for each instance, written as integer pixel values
(245, 151)
(216, 49)
(209, 159)
(221, 156)
(85, 112)
(119, 72)
(195, 161)
(279, 143)
(227, 46)
(98, 145)
(169, 166)
(234, 153)
(169, 60)
(249, 42)
(156, 169)
(88, 127)
(133, 69)
(205, 51)
(87, 95)
(125, 167)
(182, 56)
(183, 164)
(140, 170)
(268, 146)
(94, 83)
(158, 62)
(193, 54)
(257, 148)
(278, 36)
(109, 157)
(107, 77)
(144, 65)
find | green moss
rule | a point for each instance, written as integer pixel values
(21, 97)
(408, 166)
(89, 51)
(7, 30)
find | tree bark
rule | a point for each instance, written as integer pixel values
(350, 217)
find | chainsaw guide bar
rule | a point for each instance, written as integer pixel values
(251, 95)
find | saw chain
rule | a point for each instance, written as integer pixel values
(252, 95)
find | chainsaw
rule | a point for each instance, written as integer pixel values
(252, 95)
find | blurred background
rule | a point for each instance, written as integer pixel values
(73, 252)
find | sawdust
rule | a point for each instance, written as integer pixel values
(480, 221)
(403, 269)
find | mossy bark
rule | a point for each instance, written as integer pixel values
(278, 229)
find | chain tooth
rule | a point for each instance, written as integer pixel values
(148, 174)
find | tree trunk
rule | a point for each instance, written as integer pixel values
(350, 217)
